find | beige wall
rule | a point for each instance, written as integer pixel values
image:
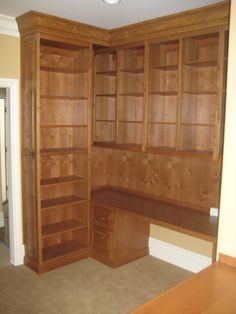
(9, 57)
(227, 226)
(181, 240)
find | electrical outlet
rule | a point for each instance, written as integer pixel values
(214, 211)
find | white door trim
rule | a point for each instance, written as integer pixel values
(14, 171)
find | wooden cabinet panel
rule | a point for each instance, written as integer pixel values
(117, 238)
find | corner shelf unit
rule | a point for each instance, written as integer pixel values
(167, 96)
(61, 141)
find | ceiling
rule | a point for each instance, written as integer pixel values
(96, 12)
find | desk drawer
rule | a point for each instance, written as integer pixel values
(102, 242)
(103, 217)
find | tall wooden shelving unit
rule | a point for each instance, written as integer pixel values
(159, 89)
(59, 150)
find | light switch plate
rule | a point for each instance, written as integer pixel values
(214, 211)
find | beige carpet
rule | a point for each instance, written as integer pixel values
(4, 259)
(86, 287)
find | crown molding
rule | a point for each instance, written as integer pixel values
(8, 26)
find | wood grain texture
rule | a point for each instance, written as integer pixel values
(74, 31)
(190, 182)
(212, 291)
(212, 16)
(151, 210)
(117, 237)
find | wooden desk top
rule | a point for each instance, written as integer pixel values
(182, 219)
(212, 291)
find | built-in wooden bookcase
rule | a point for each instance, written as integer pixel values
(60, 122)
(130, 96)
(163, 96)
(169, 97)
(63, 144)
(105, 86)
(199, 97)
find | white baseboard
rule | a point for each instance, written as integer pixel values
(1, 219)
(177, 256)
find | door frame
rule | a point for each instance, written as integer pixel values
(14, 171)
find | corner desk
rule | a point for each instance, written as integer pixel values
(121, 219)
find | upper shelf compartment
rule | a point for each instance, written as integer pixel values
(62, 58)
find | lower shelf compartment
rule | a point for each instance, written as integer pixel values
(58, 250)
(52, 229)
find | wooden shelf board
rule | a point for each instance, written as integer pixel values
(165, 93)
(161, 149)
(176, 217)
(60, 180)
(202, 63)
(197, 124)
(104, 120)
(132, 94)
(162, 122)
(106, 73)
(63, 97)
(60, 227)
(132, 147)
(60, 201)
(134, 71)
(166, 67)
(130, 121)
(62, 151)
(199, 92)
(106, 95)
(60, 70)
(55, 251)
(63, 126)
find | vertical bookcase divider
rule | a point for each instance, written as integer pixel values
(219, 95)
(36, 94)
(146, 92)
(179, 95)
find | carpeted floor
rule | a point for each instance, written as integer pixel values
(4, 259)
(86, 287)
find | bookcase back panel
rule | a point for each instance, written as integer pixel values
(75, 212)
(105, 85)
(65, 137)
(162, 108)
(161, 135)
(64, 189)
(163, 81)
(105, 131)
(131, 108)
(200, 79)
(132, 58)
(199, 138)
(130, 133)
(198, 109)
(55, 84)
(64, 165)
(194, 182)
(203, 47)
(105, 62)
(105, 108)
(131, 83)
(63, 112)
